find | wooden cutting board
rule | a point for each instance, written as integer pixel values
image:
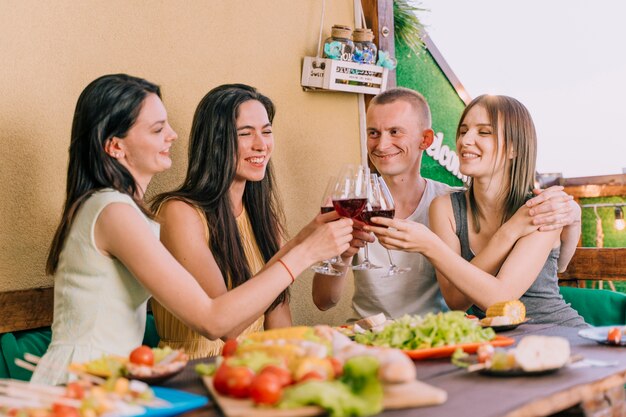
(396, 396)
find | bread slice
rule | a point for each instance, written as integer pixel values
(370, 322)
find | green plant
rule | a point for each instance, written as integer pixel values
(408, 27)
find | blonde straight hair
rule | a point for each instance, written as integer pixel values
(520, 140)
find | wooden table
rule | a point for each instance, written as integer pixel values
(479, 395)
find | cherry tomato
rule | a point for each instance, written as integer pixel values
(75, 390)
(142, 355)
(230, 347)
(614, 336)
(312, 376)
(219, 379)
(238, 380)
(61, 410)
(485, 352)
(337, 366)
(266, 388)
(283, 374)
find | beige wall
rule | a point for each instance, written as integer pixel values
(50, 50)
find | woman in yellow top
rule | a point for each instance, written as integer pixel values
(224, 224)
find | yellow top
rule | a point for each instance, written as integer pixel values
(176, 334)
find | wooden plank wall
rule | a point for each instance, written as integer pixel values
(379, 18)
(26, 309)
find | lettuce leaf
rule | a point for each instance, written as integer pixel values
(357, 393)
(434, 330)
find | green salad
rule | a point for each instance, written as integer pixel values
(432, 330)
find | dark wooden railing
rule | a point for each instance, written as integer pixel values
(595, 264)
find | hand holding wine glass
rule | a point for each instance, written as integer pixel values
(326, 267)
(385, 208)
(403, 235)
(372, 208)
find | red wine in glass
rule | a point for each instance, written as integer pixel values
(324, 210)
(366, 216)
(350, 207)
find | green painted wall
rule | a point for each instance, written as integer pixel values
(421, 73)
(613, 238)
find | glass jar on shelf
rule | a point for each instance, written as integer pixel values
(365, 49)
(339, 45)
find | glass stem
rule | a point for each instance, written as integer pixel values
(391, 264)
(367, 256)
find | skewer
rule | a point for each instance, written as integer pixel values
(32, 358)
(23, 364)
(477, 367)
(14, 383)
(169, 358)
(18, 402)
(9, 386)
(87, 376)
(41, 394)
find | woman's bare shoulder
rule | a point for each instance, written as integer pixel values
(441, 203)
(177, 211)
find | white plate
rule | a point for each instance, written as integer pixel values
(599, 335)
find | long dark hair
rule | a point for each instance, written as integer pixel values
(211, 170)
(107, 107)
(520, 139)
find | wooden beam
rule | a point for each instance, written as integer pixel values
(595, 190)
(379, 18)
(26, 309)
(617, 179)
(446, 69)
(607, 264)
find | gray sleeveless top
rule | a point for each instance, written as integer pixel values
(543, 301)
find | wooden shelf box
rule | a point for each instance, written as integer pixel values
(335, 75)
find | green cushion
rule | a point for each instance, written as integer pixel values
(14, 345)
(150, 336)
(4, 371)
(597, 307)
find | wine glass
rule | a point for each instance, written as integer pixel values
(387, 209)
(351, 190)
(326, 267)
(372, 208)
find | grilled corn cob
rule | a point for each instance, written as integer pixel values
(285, 333)
(514, 310)
(287, 352)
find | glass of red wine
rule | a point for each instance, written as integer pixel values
(372, 208)
(351, 191)
(326, 267)
(387, 209)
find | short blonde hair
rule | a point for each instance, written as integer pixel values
(412, 97)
